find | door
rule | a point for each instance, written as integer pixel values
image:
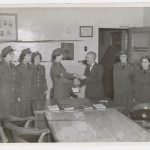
(111, 41)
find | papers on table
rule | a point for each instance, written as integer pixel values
(103, 101)
(68, 109)
(75, 90)
(53, 108)
(99, 106)
(88, 108)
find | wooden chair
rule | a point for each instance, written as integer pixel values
(40, 121)
(140, 113)
(23, 130)
(3, 137)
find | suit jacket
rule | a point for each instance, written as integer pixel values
(24, 81)
(93, 82)
(39, 85)
(62, 81)
(8, 82)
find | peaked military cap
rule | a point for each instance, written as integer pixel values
(57, 51)
(26, 51)
(6, 51)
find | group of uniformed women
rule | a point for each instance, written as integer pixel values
(22, 87)
(131, 83)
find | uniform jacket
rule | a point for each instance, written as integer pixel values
(24, 81)
(93, 82)
(123, 83)
(8, 82)
(39, 85)
(142, 85)
(62, 81)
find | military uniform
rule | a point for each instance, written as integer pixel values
(8, 89)
(142, 85)
(39, 87)
(62, 82)
(24, 89)
(123, 81)
(8, 85)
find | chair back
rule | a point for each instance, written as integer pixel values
(40, 121)
(141, 112)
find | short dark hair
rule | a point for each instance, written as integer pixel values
(32, 59)
(145, 57)
(54, 57)
(21, 57)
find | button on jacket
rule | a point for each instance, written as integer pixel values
(24, 81)
(8, 87)
(39, 85)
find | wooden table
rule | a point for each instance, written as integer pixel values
(94, 126)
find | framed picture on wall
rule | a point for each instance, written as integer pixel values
(86, 31)
(68, 51)
(8, 27)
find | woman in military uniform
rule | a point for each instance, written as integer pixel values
(62, 81)
(142, 81)
(39, 86)
(8, 83)
(24, 83)
(123, 80)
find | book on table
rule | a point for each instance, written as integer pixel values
(99, 106)
(76, 90)
(88, 108)
(53, 108)
(68, 108)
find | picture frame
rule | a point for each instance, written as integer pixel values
(86, 31)
(8, 27)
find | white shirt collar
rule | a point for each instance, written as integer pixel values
(91, 66)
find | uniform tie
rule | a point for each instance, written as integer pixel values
(123, 65)
(37, 68)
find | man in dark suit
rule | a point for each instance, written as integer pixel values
(92, 79)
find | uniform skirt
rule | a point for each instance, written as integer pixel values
(38, 104)
(25, 108)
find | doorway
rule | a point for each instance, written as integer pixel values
(111, 41)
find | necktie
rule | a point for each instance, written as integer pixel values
(123, 65)
(90, 66)
(37, 68)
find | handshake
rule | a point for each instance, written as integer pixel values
(79, 76)
(77, 79)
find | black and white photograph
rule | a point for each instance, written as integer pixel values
(75, 74)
